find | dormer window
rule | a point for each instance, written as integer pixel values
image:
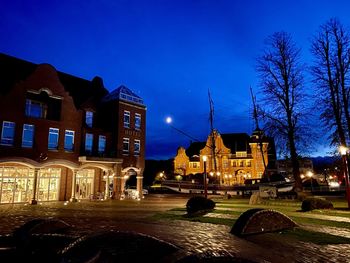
(89, 118)
(43, 105)
(36, 109)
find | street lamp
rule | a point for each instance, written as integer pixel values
(310, 174)
(343, 151)
(205, 175)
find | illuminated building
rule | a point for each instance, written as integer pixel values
(66, 138)
(238, 157)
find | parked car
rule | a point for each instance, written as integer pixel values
(132, 191)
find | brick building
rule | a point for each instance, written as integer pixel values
(238, 157)
(66, 138)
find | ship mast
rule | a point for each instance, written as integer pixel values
(211, 119)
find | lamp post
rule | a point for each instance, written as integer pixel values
(309, 174)
(205, 175)
(343, 151)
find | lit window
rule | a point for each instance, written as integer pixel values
(125, 145)
(225, 163)
(8, 133)
(101, 143)
(241, 154)
(137, 121)
(89, 118)
(53, 139)
(36, 109)
(28, 136)
(88, 142)
(126, 119)
(69, 141)
(137, 147)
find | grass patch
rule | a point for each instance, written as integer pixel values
(315, 221)
(201, 219)
(315, 237)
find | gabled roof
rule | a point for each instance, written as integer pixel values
(236, 142)
(125, 94)
(194, 148)
(14, 70)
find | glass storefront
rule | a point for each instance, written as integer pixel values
(16, 184)
(48, 184)
(84, 183)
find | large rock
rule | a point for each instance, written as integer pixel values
(257, 221)
(312, 203)
(256, 199)
(118, 246)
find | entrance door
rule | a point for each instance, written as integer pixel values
(48, 184)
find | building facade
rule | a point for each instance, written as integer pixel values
(305, 167)
(237, 157)
(66, 138)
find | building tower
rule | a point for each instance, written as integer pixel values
(259, 156)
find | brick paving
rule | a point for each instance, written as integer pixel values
(191, 237)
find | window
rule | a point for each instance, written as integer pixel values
(126, 119)
(101, 144)
(137, 121)
(137, 147)
(241, 154)
(53, 139)
(69, 141)
(194, 165)
(88, 142)
(89, 118)
(8, 133)
(35, 109)
(28, 136)
(125, 145)
(225, 163)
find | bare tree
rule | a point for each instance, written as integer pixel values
(281, 80)
(331, 50)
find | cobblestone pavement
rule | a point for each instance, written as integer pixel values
(192, 237)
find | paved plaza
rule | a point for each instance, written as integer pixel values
(191, 237)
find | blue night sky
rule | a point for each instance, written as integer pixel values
(168, 52)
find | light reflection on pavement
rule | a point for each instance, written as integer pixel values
(192, 237)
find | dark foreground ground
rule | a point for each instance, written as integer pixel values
(190, 237)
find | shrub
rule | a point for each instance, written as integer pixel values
(199, 203)
(315, 203)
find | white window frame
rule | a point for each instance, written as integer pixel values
(65, 136)
(126, 141)
(99, 141)
(28, 109)
(58, 137)
(92, 141)
(138, 116)
(5, 124)
(126, 123)
(135, 143)
(89, 118)
(26, 127)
